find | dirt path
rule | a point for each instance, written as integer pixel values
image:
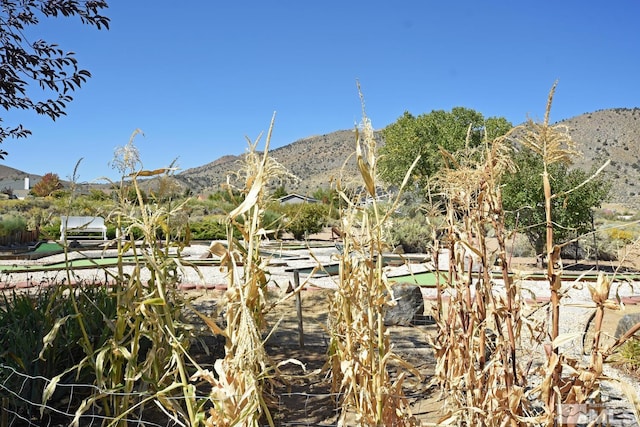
(307, 398)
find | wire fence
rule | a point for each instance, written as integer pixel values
(21, 405)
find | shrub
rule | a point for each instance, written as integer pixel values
(414, 234)
(305, 218)
(51, 230)
(10, 224)
(272, 220)
(626, 236)
(629, 354)
(601, 247)
(519, 246)
(208, 229)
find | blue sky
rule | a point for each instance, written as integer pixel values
(199, 76)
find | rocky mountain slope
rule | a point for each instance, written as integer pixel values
(315, 161)
(606, 134)
(612, 134)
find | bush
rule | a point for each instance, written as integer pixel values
(603, 247)
(51, 231)
(414, 234)
(629, 354)
(626, 236)
(305, 218)
(11, 224)
(208, 229)
(272, 220)
(520, 246)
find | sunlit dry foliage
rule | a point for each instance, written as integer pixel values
(360, 350)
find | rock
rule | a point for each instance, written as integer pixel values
(398, 250)
(409, 303)
(573, 251)
(626, 322)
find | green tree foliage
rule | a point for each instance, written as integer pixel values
(302, 219)
(572, 211)
(411, 136)
(281, 191)
(39, 63)
(49, 183)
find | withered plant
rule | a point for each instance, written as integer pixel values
(242, 379)
(565, 379)
(360, 351)
(142, 359)
(479, 327)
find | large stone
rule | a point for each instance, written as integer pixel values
(626, 322)
(409, 304)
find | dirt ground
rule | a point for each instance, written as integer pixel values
(305, 397)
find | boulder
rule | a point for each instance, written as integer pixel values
(626, 322)
(409, 304)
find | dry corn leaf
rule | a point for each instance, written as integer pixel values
(150, 173)
(565, 338)
(212, 325)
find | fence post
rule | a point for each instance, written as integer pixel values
(296, 280)
(4, 415)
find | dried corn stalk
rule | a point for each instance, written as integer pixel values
(360, 350)
(240, 385)
(477, 368)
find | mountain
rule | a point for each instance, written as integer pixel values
(314, 161)
(612, 134)
(15, 180)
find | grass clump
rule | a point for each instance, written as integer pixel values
(28, 346)
(628, 355)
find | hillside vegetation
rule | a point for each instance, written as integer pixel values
(606, 134)
(315, 161)
(612, 134)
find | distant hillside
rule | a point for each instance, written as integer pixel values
(14, 179)
(611, 134)
(314, 160)
(606, 134)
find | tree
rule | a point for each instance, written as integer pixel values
(303, 219)
(49, 183)
(279, 192)
(523, 199)
(411, 136)
(25, 63)
(328, 196)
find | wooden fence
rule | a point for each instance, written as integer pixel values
(20, 238)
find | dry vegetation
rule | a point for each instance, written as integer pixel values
(496, 364)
